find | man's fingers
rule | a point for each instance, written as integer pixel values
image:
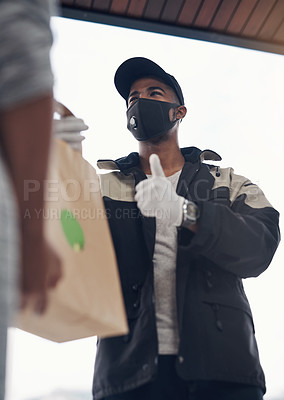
(40, 304)
(70, 137)
(69, 124)
(54, 271)
(155, 165)
(35, 301)
(61, 109)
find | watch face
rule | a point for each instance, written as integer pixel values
(191, 212)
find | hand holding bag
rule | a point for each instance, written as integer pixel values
(88, 300)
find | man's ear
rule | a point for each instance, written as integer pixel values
(181, 112)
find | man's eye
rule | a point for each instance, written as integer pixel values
(156, 93)
(132, 99)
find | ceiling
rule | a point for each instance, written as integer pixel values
(254, 24)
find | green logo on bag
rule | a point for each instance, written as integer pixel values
(72, 230)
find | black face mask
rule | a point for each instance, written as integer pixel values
(147, 119)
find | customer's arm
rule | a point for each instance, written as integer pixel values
(25, 137)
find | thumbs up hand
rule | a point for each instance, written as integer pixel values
(156, 196)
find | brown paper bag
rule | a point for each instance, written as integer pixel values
(88, 300)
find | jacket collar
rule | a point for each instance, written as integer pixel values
(191, 154)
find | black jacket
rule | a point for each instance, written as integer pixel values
(237, 237)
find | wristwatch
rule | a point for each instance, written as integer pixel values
(190, 213)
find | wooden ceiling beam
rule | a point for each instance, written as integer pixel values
(279, 34)
(258, 17)
(275, 45)
(189, 12)
(224, 14)
(119, 6)
(136, 8)
(273, 22)
(171, 10)
(206, 13)
(241, 16)
(101, 5)
(83, 3)
(154, 9)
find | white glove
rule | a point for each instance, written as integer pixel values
(69, 129)
(156, 196)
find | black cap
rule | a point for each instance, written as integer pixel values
(139, 67)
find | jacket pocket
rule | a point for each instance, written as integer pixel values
(231, 309)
